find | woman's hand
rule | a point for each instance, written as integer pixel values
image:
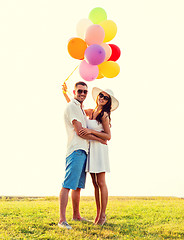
(103, 141)
(85, 131)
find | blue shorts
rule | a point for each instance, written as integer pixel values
(75, 175)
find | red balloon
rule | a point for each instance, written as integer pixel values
(116, 52)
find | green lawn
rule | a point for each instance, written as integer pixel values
(127, 218)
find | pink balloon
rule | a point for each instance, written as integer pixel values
(95, 54)
(95, 34)
(87, 71)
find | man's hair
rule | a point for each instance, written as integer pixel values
(81, 83)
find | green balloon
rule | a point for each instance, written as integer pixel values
(97, 15)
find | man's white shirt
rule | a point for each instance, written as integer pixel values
(72, 112)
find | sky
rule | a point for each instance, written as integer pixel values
(146, 150)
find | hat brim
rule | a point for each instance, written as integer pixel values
(115, 102)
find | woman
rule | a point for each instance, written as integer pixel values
(98, 123)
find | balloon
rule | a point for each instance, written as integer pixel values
(87, 71)
(97, 15)
(108, 51)
(100, 75)
(110, 29)
(82, 26)
(76, 48)
(116, 52)
(95, 54)
(109, 69)
(95, 34)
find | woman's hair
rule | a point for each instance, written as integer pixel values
(106, 108)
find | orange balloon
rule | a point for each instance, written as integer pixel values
(100, 75)
(76, 48)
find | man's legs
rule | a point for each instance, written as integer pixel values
(63, 201)
(75, 195)
(74, 179)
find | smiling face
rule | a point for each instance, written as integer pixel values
(103, 98)
(80, 93)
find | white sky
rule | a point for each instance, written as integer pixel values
(147, 146)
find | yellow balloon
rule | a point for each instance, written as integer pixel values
(110, 29)
(109, 69)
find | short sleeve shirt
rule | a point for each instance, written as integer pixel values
(74, 111)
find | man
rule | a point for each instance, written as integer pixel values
(77, 149)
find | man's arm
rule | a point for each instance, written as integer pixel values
(78, 126)
(65, 90)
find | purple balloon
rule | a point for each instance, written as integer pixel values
(95, 54)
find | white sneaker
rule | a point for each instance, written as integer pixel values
(80, 219)
(64, 225)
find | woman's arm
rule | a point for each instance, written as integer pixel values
(77, 126)
(64, 88)
(88, 112)
(105, 135)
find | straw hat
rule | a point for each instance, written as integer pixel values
(115, 102)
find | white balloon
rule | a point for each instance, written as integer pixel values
(82, 26)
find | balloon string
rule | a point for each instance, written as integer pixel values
(70, 74)
(67, 80)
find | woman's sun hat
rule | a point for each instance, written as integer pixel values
(115, 102)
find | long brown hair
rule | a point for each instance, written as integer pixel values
(106, 108)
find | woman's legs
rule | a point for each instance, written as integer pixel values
(97, 195)
(100, 177)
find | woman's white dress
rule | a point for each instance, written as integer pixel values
(98, 158)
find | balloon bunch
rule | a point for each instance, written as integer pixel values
(98, 59)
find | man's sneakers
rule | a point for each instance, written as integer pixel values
(80, 219)
(64, 225)
(67, 226)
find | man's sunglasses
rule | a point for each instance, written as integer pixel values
(80, 91)
(102, 96)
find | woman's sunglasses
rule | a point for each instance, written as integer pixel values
(102, 96)
(80, 91)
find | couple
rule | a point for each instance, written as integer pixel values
(84, 155)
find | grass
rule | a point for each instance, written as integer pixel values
(127, 218)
